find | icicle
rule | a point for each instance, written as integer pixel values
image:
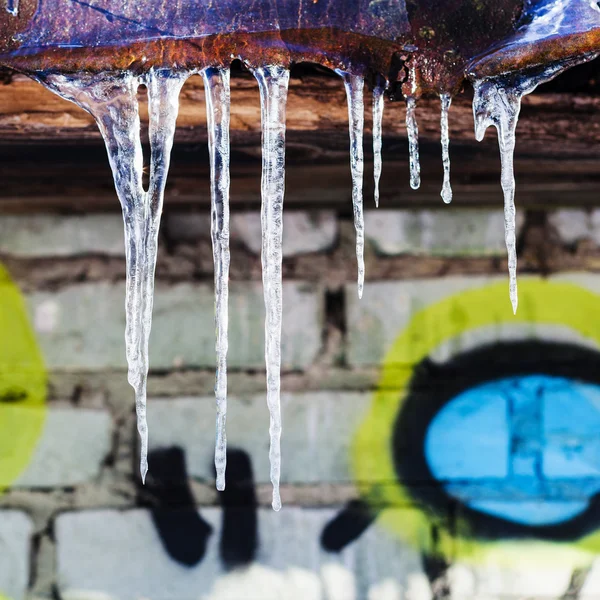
(354, 93)
(498, 102)
(112, 100)
(273, 84)
(499, 106)
(12, 7)
(378, 91)
(446, 194)
(216, 84)
(413, 142)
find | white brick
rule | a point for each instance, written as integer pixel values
(572, 224)
(444, 231)
(58, 235)
(82, 326)
(119, 554)
(303, 232)
(15, 533)
(318, 429)
(72, 447)
(386, 308)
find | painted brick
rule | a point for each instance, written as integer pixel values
(386, 308)
(318, 429)
(58, 235)
(446, 232)
(303, 232)
(82, 326)
(120, 555)
(15, 532)
(574, 225)
(71, 449)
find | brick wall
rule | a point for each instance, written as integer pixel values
(406, 473)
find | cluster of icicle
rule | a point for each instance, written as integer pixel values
(112, 100)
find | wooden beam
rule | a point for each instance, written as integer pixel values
(551, 124)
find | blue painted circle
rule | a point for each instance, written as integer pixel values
(525, 449)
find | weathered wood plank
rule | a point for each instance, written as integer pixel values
(550, 124)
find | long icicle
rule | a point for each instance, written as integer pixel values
(378, 92)
(273, 84)
(496, 105)
(412, 130)
(218, 98)
(163, 107)
(356, 116)
(446, 100)
(112, 100)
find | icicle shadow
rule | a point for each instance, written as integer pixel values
(497, 102)
(112, 101)
(218, 100)
(273, 83)
(354, 85)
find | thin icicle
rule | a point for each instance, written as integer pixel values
(356, 116)
(413, 142)
(446, 194)
(497, 102)
(378, 91)
(216, 84)
(112, 100)
(496, 105)
(273, 84)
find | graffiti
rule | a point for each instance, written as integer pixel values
(22, 384)
(496, 445)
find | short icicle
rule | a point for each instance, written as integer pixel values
(112, 100)
(356, 115)
(378, 92)
(216, 84)
(413, 142)
(446, 194)
(273, 83)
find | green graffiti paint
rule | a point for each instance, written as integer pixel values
(542, 302)
(23, 383)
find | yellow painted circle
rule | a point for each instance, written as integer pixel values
(22, 384)
(540, 302)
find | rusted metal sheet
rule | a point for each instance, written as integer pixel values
(435, 42)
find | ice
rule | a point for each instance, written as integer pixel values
(354, 85)
(216, 84)
(12, 7)
(378, 91)
(112, 100)
(497, 102)
(446, 194)
(413, 142)
(273, 84)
